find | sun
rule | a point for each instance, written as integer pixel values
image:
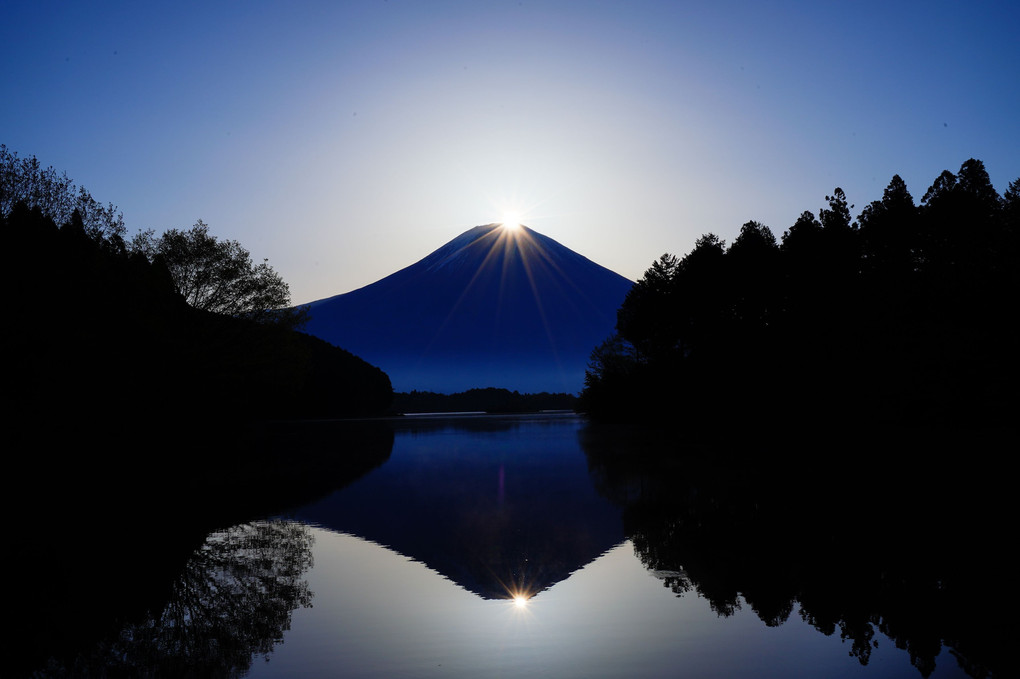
(511, 220)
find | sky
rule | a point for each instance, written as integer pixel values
(344, 141)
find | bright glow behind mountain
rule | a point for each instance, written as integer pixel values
(494, 307)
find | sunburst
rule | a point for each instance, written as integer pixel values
(511, 220)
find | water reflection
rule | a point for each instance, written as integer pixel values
(99, 556)
(501, 506)
(231, 603)
(379, 614)
(900, 550)
(514, 546)
(779, 538)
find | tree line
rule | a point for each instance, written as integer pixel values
(178, 327)
(488, 400)
(902, 315)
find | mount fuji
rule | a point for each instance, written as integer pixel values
(494, 307)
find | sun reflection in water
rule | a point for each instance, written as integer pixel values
(519, 595)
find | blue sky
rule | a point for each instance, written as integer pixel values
(346, 140)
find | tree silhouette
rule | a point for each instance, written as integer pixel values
(889, 233)
(865, 322)
(702, 295)
(1011, 206)
(24, 180)
(644, 318)
(803, 233)
(218, 275)
(1009, 237)
(753, 261)
(101, 329)
(838, 252)
(837, 216)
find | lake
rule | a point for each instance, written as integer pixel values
(547, 546)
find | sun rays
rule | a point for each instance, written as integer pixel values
(514, 262)
(519, 593)
(511, 220)
(516, 209)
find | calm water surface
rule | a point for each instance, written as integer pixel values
(377, 613)
(417, 565)
(546, 546)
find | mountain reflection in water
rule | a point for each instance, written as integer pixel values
(638, 555)
(783, 532)
(500, 506)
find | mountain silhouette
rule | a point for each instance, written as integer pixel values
(493, 307)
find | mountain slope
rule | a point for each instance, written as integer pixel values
(493, 307)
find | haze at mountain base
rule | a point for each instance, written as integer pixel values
(492, 307)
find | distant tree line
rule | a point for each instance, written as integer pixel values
(101, 330)
(489, 400)
(906, 314)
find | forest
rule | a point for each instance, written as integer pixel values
(134, 340)
(905, 315)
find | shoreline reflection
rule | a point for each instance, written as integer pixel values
(552, 546)
(379, 614)
(870, 554)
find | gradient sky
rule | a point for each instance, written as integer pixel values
(346, 140)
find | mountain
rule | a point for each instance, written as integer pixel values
(494, 307)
